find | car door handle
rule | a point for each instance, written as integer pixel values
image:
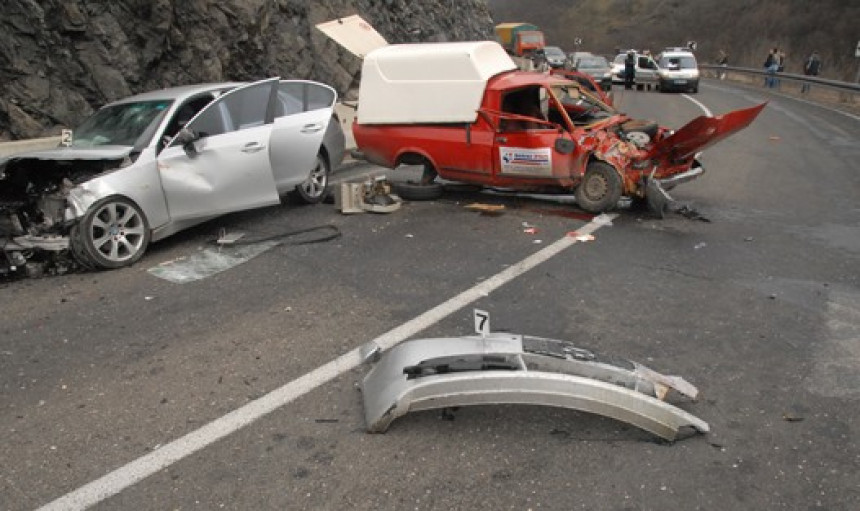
(253, 147)
(501, 139)
(311, 128)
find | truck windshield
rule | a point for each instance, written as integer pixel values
(580, 105)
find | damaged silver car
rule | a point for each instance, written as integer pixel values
(145, 167)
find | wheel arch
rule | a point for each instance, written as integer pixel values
(414, 156)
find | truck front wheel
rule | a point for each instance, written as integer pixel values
(600, 188)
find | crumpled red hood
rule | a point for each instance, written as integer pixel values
(703, 132)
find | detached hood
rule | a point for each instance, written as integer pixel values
(703, 132)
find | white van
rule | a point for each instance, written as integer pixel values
(678, 70)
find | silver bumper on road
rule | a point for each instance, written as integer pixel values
(695, 171)
(500, 368)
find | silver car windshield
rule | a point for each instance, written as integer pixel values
(122, 124)
(554, 51)
(591, 63)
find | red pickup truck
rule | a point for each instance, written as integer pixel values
(465, 112)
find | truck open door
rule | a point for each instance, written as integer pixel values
(354, 34)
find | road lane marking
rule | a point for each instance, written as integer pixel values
(699, 104)
(96, 491)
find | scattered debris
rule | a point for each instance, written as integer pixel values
(687, 211)
(486, 209)
(700, 245)
(774, 138)
(790, 417)
(372, 195)
(225, 238)
(581, 237)
(530, 230)
(326, 421)
(749, 238)
(208, 262)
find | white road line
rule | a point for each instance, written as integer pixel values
(96, 491)
(699, 104)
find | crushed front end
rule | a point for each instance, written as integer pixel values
(35, 216)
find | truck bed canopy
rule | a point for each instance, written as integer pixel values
(428, 82)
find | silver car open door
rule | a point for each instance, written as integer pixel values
(303, 111)
(226, 167)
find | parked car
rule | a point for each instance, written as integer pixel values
(587, 82)
(646, 70)
(145, 167)
(555, 57)
(595, 66)
(678, 70)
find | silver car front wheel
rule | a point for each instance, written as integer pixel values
(112, 234)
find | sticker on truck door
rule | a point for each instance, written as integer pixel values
(521, 160)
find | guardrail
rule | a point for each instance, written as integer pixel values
(23, 146)
(845, 87)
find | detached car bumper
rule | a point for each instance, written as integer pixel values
(500, 368)
(695, 171)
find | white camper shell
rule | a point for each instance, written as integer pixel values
(428, 82)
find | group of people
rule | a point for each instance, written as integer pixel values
(775, 63)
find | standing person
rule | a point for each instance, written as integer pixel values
(539, 60)
(629, 70)
(722, 60)
(780, 67)
(811, 68)
(771, 64)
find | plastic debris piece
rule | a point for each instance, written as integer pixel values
(603, 219)
(530, 230)
(700, 245)
(581, 237)
(491, 209)
(774, 138)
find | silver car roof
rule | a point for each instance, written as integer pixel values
(178, 93)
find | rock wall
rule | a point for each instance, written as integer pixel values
(61, 59)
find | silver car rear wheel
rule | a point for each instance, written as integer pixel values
(315, 188)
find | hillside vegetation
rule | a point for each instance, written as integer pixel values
(746, 29)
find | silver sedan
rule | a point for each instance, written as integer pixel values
(145, 167)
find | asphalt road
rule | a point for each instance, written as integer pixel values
(759, 308)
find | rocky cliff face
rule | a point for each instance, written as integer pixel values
(60, 59)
